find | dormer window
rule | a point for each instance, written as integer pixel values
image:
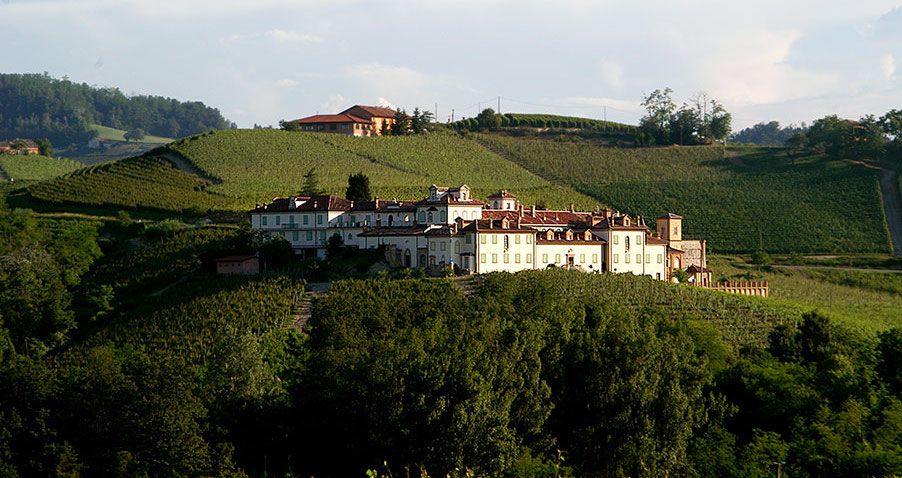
(626, 220)
(549, 235)
(588, 235)
(569, 235)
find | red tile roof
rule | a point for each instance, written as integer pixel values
(339, 118)
(377, 111)
(503, 194)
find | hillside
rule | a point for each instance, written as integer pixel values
(113, 134)
(758, 198)
(36, 168)
(259, 164)
(39, 106)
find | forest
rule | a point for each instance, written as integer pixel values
(39, 106)
(106, 372)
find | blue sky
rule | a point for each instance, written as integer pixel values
(260, 61)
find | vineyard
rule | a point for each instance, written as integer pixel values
(260, 164)
(36, 168)
(140, 182)
(814, 205)
(513, 120)
(861, 303)
(191, 319)
(742, 320)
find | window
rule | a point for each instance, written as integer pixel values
(517, 258)
(482, 258)
(626, 242)
(494, 258)
(443, 246)
(278, 220)
(422, 216)
(517, 239)
(494, 239)
(353, 219)
(616, 258)
(319, 219)
(309, 235)
(529, 239)
(340, 220)
(442, 216)
(557, 258)
(322, 236)
(432, 246)
(582, 258)
(648, 258)
(469, 239)
(306, 219)
(638, 258)
(482, 239)
(291, 219)
(294, 236)
(626, 258)
(430, 218)
(594, 258)
(457, 247)
(263, 218)
(659, 258)
(658, 276)
(675, 230)
(616, 239)
(368, 219)
(507, 242)
(529, 258)
(545, 258)
(506, 258)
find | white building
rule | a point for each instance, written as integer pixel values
(449, 227)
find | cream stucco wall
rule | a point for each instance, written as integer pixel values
(490, 256)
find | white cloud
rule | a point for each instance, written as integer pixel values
(888, 66)
(286, 83)
(277, 36)
(384, 102)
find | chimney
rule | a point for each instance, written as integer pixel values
(377, 202)
(571, 208)
(454, 228)
(532, 210)
(518, 219)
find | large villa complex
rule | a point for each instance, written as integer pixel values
(449, 227)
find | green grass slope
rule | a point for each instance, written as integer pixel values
(815, 205)
(113, 134)
(260, 164)
(36, 168)
(140, 182)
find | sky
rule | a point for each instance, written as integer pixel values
(260, 61)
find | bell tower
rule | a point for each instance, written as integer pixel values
(670, 228)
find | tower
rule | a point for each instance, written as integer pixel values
(670, 228)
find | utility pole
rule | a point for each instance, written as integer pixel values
(452, 115)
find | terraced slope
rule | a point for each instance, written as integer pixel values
(260, 164)
(759, 199)
(36, 168)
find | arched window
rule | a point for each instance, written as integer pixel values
(464, 215)
(588, 235)
(407, 258)
(569, 235)
(430, 218)
(506, 242)
(626, 242)
(549, 235)
(422, 216)
(457, 248)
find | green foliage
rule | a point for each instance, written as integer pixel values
(45, 148)
(358, 188)
(38, 106)
(35, 168)
(141, 182)
(114, 134)
(789, 207)
(876, 281)
(135, 134)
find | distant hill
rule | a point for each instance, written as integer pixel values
(39, 106)
(513, 120)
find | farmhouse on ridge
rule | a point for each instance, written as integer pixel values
(357, 120)
(449, 227)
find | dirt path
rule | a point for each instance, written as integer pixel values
(853, 269)
(302, 313)
(187, 166)
(892, 205)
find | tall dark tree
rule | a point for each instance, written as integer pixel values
(44, 147)
(359, 188)
(311, 184)
(488, 120)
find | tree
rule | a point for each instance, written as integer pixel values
(420, 120)
(44, 147)
(359, 188)
(401, 126)
(311, 184)
(488, 120)
(289, 125)
(135, 134)
(660, 108)
(720, 123)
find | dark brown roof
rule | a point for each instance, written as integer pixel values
(669, 215)
(694, 269)
(655, 240)
(310, 203)
(377, 111)
(503, 194)
(385, 206)
(339, 118)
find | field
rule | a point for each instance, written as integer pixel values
(849, 298)
(140, 182)
(260, 164)
(36, 168)
(113, 134)
(760, 199)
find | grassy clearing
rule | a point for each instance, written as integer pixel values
(761, 198)
(35, 168)
(876, 281)
(858, 307)
(113, 134)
